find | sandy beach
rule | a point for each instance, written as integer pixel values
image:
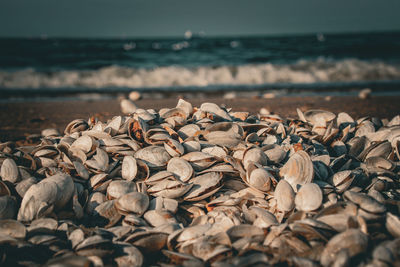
(21, 119)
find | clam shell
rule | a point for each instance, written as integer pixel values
(128, 255)
(353, 240)
(284, 196)
(314, 116)
(298, 170)
(393, 224)
(50, 193)
(12, 228)
(84, 143)
(154, 156)
(129, 168)
(213, 108)
(180, 168)
(309, 197)
(199, 160)
(133, 202)
(188, 130)
(9, 171)
(204, 186)
(173, 147)
(119, 188)
(254, 155)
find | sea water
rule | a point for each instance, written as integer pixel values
(208, 63)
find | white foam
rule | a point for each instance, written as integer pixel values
(302, 71)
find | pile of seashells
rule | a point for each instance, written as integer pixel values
(204, 186)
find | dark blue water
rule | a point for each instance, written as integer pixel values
(204, 62)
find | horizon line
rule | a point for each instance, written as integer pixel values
(196, 35)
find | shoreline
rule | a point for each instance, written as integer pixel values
(21, 119)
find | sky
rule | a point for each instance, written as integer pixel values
(167, 18)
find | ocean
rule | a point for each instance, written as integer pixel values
(339, 61)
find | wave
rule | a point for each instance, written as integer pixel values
(302, 71)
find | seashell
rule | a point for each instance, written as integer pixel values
(84, 143)
(159, 217)
(342, 180)
(99, 161)
(24, 185)
(284, 196)
(154, 156)
(353, 240)
(133, 202)
(95, 245)
(223, 138)
(381, 149)
(74, 126)
(81, 170)
(344, 119)
(161, 203)
(199, 160)
(214, 109)
(188, 130)
(94, 200)
(113, 125)
(49, 194)
(9, 171)
(156, 136)
(148, 241)
(259, 179)
(129, 168)
(137, 129)
(173, 147)
(216, 151)
(12, 228)
(185, 106)
(365, 202)
(135, 95)
(309, 197)
(201, 182)
(298, 170)
(357, 145)
(106, 214)
(244, 230)
(50, 132)
(275, 153)
(98, 181)
(393, 224)
(365, 128)
(191, 146)
(119, 188)
(204, 186)
(42, 225)
(145, 115)
(128, 255)
(180, 168)
(254, 155)
(379, 162)
(262, 218)
(128, 106)
(175, 112)
(315, 116)
(169, 188)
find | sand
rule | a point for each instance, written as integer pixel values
(21, 119)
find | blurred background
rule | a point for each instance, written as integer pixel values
(183, 45)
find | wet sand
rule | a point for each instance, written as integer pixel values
(21, 119)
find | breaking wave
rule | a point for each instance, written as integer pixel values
(302, 71)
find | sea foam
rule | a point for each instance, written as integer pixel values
(302, 71)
